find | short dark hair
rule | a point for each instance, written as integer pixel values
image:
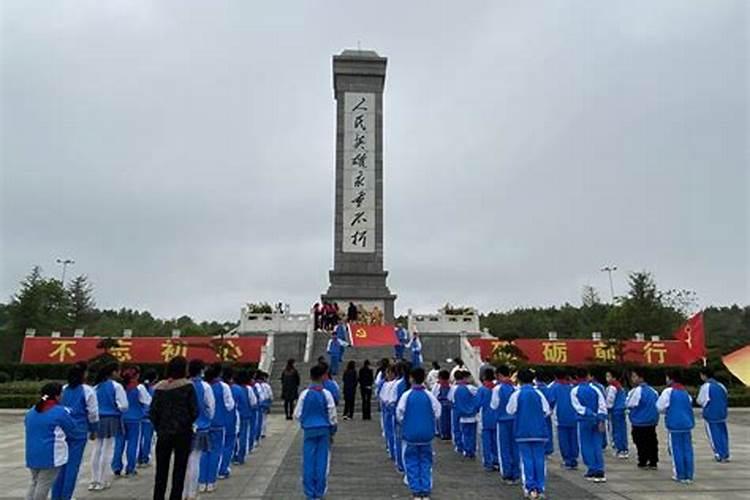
(459, 375)
(503, 370)
(561, 373)
(177, 367)
(242, 377)
(76, 374)
(227, 373)
(582, 372)
(150, 375)
(195, 367)
(488, 374)
(675, 375)
(317, 372)
(417, 375)
(49, 390)
(435, 365)
(106, 371)
(639, 371)
(526, 376)
(708, 372)
(211, 373)
(444, 375)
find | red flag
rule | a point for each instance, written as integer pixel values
(692, 334)
(372, 335)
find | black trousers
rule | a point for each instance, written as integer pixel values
(647, 445)
(366, 403)
(349, 404)
(289, 408)
(166, 444)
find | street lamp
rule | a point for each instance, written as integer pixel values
(609, 270)
(65, 263)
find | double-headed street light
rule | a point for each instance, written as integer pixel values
(65, 263)
(609, 270)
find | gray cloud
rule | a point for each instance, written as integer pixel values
(182, 152)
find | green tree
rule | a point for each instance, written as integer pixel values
(82, 304)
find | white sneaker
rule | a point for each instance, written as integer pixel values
(201, 488)
(210, 488)
(92, 485)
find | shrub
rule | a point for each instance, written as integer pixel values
(17, 400)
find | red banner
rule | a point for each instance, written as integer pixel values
(372, 335)
(692, 334)
(140, 349)
(579, 352)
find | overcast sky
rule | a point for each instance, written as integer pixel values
(183, 152)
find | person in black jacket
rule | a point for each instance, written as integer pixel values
(350, 389)
(290, 382)
(174, 408)
(366, 381)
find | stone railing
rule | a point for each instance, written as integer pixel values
(471, 357)
(273, 322)
(444, 323)
(266, 355)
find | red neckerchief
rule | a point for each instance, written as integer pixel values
(677, 386)
(616, 384)
(489, 384)
(132, 384)
(444, 383)
(417, 387)
(46, 405)
(506, 380)
(461, 382)
(316, 387)
(564, 381)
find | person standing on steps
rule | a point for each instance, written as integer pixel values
(402, 337)
(352, 313)
(350, 389)
(415, 348)
(335, 350)
(342, 332)
(365, 389)
(644, 417)
(290, 382)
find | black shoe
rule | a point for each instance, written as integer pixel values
(643, 466)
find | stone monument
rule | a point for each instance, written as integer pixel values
(358, 275)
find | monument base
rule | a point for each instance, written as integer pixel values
(366, 289)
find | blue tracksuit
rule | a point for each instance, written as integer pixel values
(147, 433)
(489, 426)
(45, 444)
(530, 408)
(230, 433)
(244, 412)
(615, 397)
(416, 411)
(82, 406)
(131, 420)
(507, 448)
(400, 389)
(402, 336)
(549, 447)
(677, 405)
(203, 425)
(342, 333)
(713, 399)
(465, 405)
(211, 459)
(335, 354)
(567, 422)
(444, 423)
(415, 346)
(588, 401)
(388, 408)
(256, 418)
(316, 413)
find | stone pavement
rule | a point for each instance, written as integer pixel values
(360, 469)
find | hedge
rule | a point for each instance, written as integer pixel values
(18, 400)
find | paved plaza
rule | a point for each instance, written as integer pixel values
(359, 469)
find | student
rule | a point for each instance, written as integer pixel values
(230, 424)
(507, 449)
(402, 336)
(290, 382)
(432, 376)
(388, 408)
(488, 418)
(365, 389)
(677, 405)
(331, 386)
(196, 476)
(245, 400)
(644, 417)
(539, 383)
(138, 401)
(529, 407)
(147, 428)
(588, 402)
(113, 402)
(342, 334)
(316, 413)
(173, 413)
(712, 397)
(350, 389)
(379, 381)
(264, 403)
(224, 403)
(80, 400)
(415, 347)
(565, 415)
(440, 390)
(415, 412)
(47, 426)
(400, 385)
(615, 398)
(254, 427)
(465, 405)
(335, 350)
(459, 366)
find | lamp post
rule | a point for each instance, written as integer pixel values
(609, 270)
(65, 263)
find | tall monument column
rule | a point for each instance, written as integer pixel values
(358, 275)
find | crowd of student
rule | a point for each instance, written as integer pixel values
(207, 417)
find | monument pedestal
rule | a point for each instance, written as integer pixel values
(367, 289)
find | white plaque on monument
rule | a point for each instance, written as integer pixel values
(359, 173)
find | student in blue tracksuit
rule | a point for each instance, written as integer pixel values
(615, 398)
(196, 476)
(507, 449)
(113, 402)
(47, 425)
(488, 418)
(147, 428)
(465, 405)
(539, 383)
(588, 402)
(416, 411)
(530, 407)
(245, 401)
(138, 401)
(264, 402)
(441, 390)
(644, 417)
(712, 397)
(231, 425)
(254, 414)
(388, 408)
(211, 459)
(316, 413)
(342, 333)
(80, 400)
(677, 405)
(402, 337)
(335, 350)
(415, 348)
(567, 420)
(400, 385)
